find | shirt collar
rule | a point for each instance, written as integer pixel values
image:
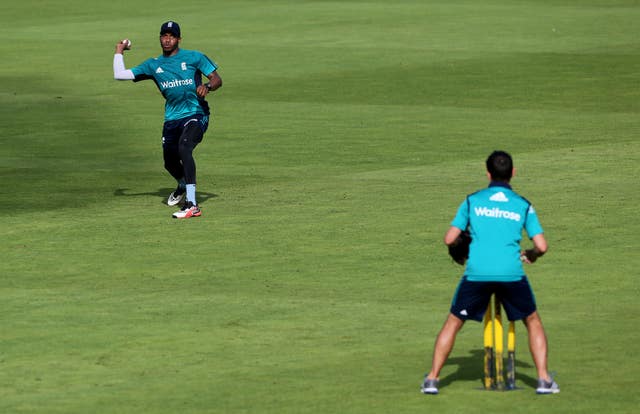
(499, 184)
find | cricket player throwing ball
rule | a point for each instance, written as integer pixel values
(178, 75)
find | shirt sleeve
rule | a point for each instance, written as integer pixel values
(461, 220)
(119, 70)
(206, 65)
(532, 224)
(140, 70)
(143, 71)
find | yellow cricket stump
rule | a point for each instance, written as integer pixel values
(488, 349)
(511, 356)
(499, 344)
(494, 349)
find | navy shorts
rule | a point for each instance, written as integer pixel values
(172, 131)
(471, 299)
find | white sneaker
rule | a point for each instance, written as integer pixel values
(175, 197)
(429, 386)
(547, 387)
(189, 210)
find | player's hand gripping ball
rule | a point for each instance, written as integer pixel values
(127, 44)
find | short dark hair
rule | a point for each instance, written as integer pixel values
(500, 166)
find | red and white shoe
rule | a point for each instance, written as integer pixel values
(189, 210)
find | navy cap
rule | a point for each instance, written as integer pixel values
(170, 27)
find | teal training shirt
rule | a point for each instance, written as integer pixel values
(496, 217)
(177, 78)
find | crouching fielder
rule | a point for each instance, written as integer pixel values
(496, 218)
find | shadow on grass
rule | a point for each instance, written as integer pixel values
(162, 194)
(470, 368)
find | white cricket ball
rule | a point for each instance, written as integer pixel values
(127, 43)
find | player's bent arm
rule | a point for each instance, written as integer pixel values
(215, 81)
(540, 243)
(452, 235)
(119, 71)
(539, 248)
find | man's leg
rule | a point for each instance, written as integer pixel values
(444, 344)
(170, 150)
(172, 162)
(174, 166)
(538, 347)
(190, 138)
(537, 344)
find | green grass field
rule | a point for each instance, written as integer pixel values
(345, 136)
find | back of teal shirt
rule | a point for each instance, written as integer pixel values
(496, 217)
(177, 78)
